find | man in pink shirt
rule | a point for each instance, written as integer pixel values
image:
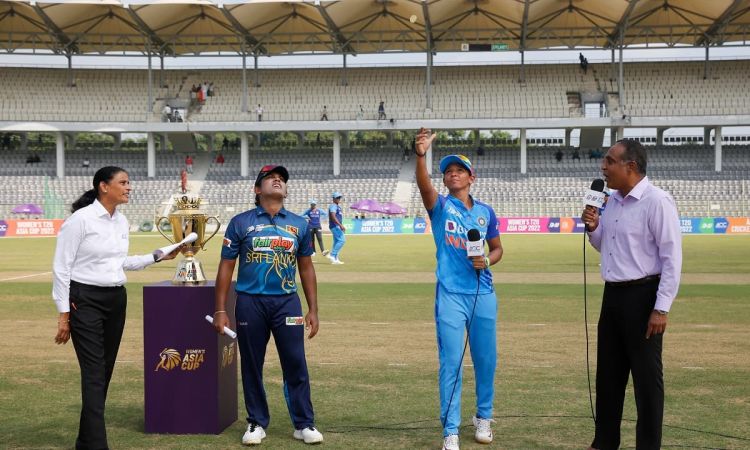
(638, 236)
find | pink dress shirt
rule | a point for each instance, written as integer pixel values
(638, 236)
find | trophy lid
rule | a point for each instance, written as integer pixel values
(186, 205)
(187, 202)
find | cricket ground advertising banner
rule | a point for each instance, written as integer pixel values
(30, 228)
(688, 225)
(421, 225)
(507, 225)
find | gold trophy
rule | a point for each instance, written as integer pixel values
(187, 218)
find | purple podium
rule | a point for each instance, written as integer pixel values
(190, 371)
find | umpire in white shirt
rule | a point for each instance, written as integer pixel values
(88, 288)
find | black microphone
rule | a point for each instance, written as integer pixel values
(475, 245)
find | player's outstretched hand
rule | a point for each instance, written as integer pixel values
(423, 141)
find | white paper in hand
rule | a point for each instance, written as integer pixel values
(162, 252)
(227, 330)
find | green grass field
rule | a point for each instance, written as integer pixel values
(374, 363)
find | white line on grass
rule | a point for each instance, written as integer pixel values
(694, 368)
(380, 323)
(397, 364)
(26, 276)
(537, 324)
(329, 364)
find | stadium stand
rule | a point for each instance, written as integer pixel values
(550, 90)
(549, 188)
(371, 169)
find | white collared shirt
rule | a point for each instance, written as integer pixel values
(92, 248)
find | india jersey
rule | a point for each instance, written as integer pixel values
(314, 216)
(336, 210)
(267, 248)
(451, 222)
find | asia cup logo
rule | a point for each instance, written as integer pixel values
(169, 358)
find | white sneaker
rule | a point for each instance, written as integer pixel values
(330, 257)
(337, 261)
(312, 254)
(326, 252)
(450, 442)
(253, 435)
(483, 433)
(310, 435)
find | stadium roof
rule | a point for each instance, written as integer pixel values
(274, 27)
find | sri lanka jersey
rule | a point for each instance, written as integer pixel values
(267, 248)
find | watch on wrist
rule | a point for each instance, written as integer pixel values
(487, 261)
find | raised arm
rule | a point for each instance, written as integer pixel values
(428, 192)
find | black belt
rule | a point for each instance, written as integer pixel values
(643, 280)
(93, 286)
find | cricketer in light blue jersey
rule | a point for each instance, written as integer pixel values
(464, 295)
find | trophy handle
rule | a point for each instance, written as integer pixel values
(158, 228)
(218, 225)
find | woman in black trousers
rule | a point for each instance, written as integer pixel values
(88, 288)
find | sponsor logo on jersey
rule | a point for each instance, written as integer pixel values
(273, 244)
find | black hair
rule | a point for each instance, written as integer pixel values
(105, 174)
(634, 151)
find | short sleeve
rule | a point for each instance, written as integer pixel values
(492, 231)
(230, 247)
(437, 210)
(304, 242)
(332, 208)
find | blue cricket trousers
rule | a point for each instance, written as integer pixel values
(338, 241)
(257, 317)
(452, 314)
